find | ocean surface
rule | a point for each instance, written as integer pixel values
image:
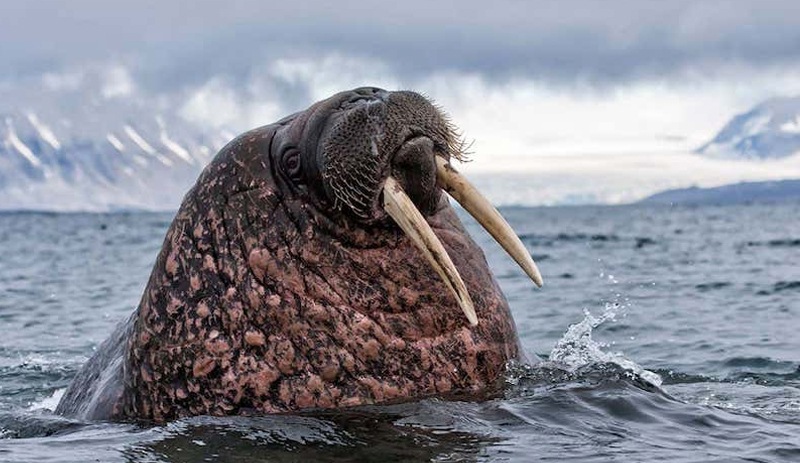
(666, 333)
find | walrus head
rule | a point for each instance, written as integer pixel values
(318, 263)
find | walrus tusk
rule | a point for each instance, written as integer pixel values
(479, 207)
(400, 207)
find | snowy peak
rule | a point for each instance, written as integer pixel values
(48, 146)
(99, 157)
(771, 130)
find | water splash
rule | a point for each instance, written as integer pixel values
(48, 403)
(576, 349)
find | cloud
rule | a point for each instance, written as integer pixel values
(582, 41)
(217, 106)
(622, 178)
(507, 118)
(535, 142)
(279, 88)
(57, 81)
(116, 82)
(594, 97)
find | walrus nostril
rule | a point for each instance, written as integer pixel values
(371, 91)
(368, 94)
(364, 95)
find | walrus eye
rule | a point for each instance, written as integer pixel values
(291, 164)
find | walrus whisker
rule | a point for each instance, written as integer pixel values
(479, 207)
(400, 207)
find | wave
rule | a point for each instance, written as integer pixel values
(779, 287)
(712, 285)
(776, 243)
(538, 240)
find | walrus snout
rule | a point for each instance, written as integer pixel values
(414, 168)
(367, 134)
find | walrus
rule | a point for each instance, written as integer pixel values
(316, 263)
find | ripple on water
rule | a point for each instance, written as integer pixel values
(780, 286)
(711, 286)
(777, 243)
(726, 358)
(596, 411)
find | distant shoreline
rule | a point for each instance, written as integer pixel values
(737, 193)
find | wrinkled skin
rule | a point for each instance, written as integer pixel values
(282, 285)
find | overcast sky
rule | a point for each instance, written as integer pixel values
(522, 78)
(562, 42)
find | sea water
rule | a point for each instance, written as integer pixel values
(664, 333)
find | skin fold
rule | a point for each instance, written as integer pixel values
(282, 285)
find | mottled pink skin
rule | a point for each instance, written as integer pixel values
(260, 302)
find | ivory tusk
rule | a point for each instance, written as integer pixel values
(400, 207)
(479, 207)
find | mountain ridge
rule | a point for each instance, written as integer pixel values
(769, 130)
(736, 193)
(92, 158)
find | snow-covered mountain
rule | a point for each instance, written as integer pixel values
(89, 153)
(770, 130)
